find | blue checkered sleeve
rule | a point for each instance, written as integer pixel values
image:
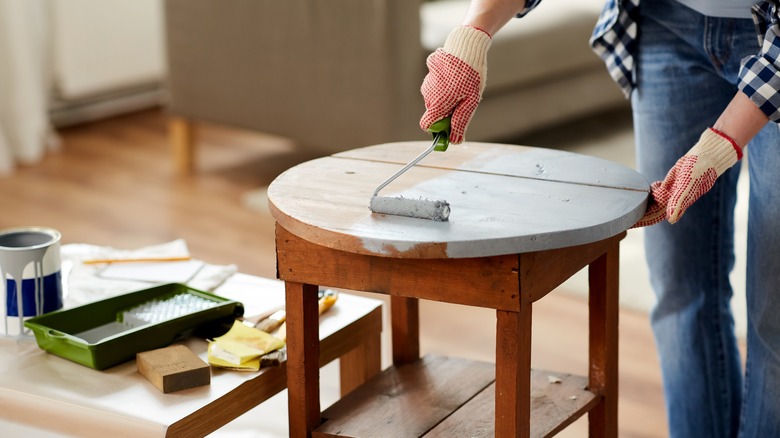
(529, 6)
(759, 77)
(614, 39)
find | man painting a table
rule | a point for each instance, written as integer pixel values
(696, 74)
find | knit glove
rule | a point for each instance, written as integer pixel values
(455, 80)
(691, 177)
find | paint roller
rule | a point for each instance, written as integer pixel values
(416, 208)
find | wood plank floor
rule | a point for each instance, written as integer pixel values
(112, 183)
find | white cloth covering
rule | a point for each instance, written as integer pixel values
(82, 282)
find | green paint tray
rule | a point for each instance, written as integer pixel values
(111, 331)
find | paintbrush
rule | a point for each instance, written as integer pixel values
(137, 260)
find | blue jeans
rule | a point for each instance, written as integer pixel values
(687, 74)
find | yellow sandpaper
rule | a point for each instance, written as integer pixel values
(241, 347)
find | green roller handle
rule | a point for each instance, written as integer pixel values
(443, 142)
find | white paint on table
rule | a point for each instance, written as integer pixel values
(505, 199)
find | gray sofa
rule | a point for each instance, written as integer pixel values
(346, 73)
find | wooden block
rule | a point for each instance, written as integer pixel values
(173, 368)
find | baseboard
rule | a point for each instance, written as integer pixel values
(68, 113)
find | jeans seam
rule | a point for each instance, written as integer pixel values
(745, 391)
(725, 28)
(715, 303)
(707, 41)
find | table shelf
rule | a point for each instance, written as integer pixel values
(439, 396)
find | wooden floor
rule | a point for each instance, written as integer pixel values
(112, 183)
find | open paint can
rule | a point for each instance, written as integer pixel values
(30, 268)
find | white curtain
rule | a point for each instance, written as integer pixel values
(25, 130)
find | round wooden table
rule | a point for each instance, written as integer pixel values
(523, 221)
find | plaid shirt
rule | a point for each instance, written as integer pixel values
(614, 39)
(759, 77)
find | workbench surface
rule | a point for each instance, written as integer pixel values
(46, 395)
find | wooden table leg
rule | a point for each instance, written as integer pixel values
(513, 372)
(303, 352)
(360, 364)
(182, 133)
(603, 317)
(405, 322)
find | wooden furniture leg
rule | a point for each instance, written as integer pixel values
(405, 321)
(303, 352)
(603, 317)
(513, 372)
(360, 364)
(181, 132)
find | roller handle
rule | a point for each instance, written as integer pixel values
(443, 141)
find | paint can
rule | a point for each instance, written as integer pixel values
(30, 268)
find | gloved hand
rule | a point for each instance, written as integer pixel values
(455, 80)
(691, 177)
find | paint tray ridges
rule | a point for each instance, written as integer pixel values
(165, 309)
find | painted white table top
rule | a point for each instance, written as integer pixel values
(46, 395)
(505, 199)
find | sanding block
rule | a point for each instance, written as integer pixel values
(173, 368)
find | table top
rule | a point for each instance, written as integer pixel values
(505, 199)
(121, 401)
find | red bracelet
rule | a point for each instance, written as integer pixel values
(731, 140)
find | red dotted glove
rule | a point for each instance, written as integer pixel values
(455, 80)
(691, 177)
